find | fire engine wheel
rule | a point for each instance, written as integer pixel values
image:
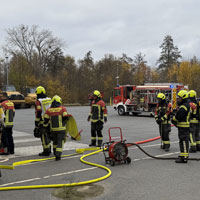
(128, 160)
(112, 162)
(121, 110)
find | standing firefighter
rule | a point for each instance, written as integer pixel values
(97, 116)
(194, 123)
(7, 133)
(41, 105)
(56, 116)
(162, 117)
(182, 121)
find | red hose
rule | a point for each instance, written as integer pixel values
(144, 141)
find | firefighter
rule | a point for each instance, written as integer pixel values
(1, 128)
(182, 121)
(41, 105)
(97, 116)
(162, 117)
(56, 117)
(194, 123)
(7, 133)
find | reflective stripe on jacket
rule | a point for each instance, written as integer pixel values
(163, 112)
(9, 111)
(98, 111)
(183, 115)
(55, 116)
(194, 114)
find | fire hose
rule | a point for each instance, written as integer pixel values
(159, 158)
(82, 160)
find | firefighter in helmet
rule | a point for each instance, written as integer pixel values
(41, 105)
(7, 131)
(162, 117)
(97, 116)
(182, 121)
(56, 117)
(194, 123)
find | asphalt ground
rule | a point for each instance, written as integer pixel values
(144, 178)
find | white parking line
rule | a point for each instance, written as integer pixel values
(33, 179)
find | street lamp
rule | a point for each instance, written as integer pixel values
(117, 77)
(6, 70)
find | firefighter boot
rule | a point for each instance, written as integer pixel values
(167, 146)
(45, 153)
(100, 143)
(93, 143)
(58, 158)
(198, 147)
(181, 159)
(193, 149)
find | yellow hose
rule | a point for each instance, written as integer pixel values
(60, 185)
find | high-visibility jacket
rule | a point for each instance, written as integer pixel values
(194, 113)
(41, 105)
(163, 112)
(1, 114)
(98, 110)
(9, 112)
(182, 117)
(56, 116)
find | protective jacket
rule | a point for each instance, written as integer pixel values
(9, 111)
(98, 110)
(162, 112)
(56, 116)
(194, 113)
(41, 105)
(182, 117)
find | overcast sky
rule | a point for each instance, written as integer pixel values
(110, 26)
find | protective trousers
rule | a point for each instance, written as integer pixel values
(96, 129)
(7, 140)
(46, 141)
(183, 134)
(58, 142)
(164, 130)
(194, 137)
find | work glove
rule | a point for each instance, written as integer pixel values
(105, 119)
(158, 121)
(174, 122)
(36, 132)
(88, 118)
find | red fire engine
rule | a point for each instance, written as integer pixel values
(142, 98)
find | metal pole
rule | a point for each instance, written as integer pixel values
(117, 77)
(7, 70)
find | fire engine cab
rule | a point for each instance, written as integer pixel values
(136, 99)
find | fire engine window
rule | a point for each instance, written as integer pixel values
(127, 92)
(116, 93)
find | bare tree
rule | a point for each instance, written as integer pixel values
(37, 46)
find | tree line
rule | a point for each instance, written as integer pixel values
(35, 57)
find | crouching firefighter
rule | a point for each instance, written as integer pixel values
(56, 117)
(97, 116)
(182, 121)
(194, 123)
(162, 117)
(41, 105)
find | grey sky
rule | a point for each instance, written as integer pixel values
(110, 26)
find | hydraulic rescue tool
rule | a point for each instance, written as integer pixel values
(116, 148)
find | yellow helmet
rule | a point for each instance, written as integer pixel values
(40, 90)
(57, 99)
(183, 94)
(161, 96)
(97, 93)
(192, 93)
